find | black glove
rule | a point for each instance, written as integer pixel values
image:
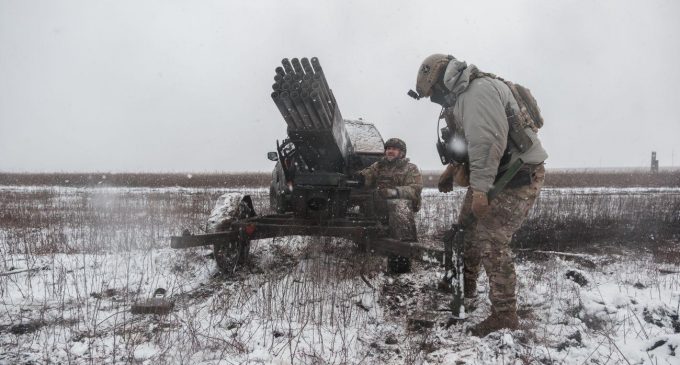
(360, 179)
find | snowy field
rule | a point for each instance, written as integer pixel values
(74, 261)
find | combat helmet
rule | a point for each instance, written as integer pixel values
(396, 143)
(431, 71)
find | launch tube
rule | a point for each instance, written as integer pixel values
(297, 121)
(282, 108)
(323, 96)
(318, 124)
(319, 71)
(301, 109)
(297, 66)
(287, 66)
(318, 106)
(307, 66)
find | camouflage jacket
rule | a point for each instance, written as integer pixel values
(399, 174)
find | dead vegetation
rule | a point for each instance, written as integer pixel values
(187, 180)
(95, 252)
(580, 178)
(559, 178)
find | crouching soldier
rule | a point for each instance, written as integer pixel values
(400, 184)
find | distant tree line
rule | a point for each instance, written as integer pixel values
(554, 178)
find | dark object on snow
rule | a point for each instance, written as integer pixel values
(577, 277)
(153, 306)
(14, 270)
(656, 345)
(108, 293)
(312, 190)
(648, 316)
(574, 339)
(156, 305)
(675, 321)
(657, 317)
(24, 328)
(398, 264)
(419, 323)
(391, 340)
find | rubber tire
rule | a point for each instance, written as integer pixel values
(228, 261)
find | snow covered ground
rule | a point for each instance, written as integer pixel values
(74, 261)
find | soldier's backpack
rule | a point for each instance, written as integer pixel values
(530, 114)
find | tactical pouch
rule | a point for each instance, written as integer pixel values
(516, 133)
(522, 178)
(519, 138)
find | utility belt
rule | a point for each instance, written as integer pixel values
(523, 177)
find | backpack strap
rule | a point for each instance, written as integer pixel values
(525, 101)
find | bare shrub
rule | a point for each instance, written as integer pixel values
(580, 178)
(92, 252)
(188, 180)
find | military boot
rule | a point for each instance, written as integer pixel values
(469, 286)
(495, 322)
(471, 300)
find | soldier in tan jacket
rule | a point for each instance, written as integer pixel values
(394, 175)
(476, 106)
(399, 185)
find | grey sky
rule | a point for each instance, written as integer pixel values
(184, 85)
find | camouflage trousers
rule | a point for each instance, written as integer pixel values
(487, 241)
(402, 220)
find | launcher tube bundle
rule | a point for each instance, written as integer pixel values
(308, 106)
(302, 95)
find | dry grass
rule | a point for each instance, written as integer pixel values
(189, 180)
(554, 178)
(572, 219)
(578, 178)
(612, 178)
(70, 220)
(302, 303)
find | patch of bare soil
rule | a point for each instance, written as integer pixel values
(415, 297)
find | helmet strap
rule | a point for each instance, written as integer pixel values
(442, 96)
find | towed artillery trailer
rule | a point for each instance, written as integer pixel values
(313, 191)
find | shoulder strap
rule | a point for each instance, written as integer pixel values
(528, 116)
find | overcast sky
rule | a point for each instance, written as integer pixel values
(185, 85)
